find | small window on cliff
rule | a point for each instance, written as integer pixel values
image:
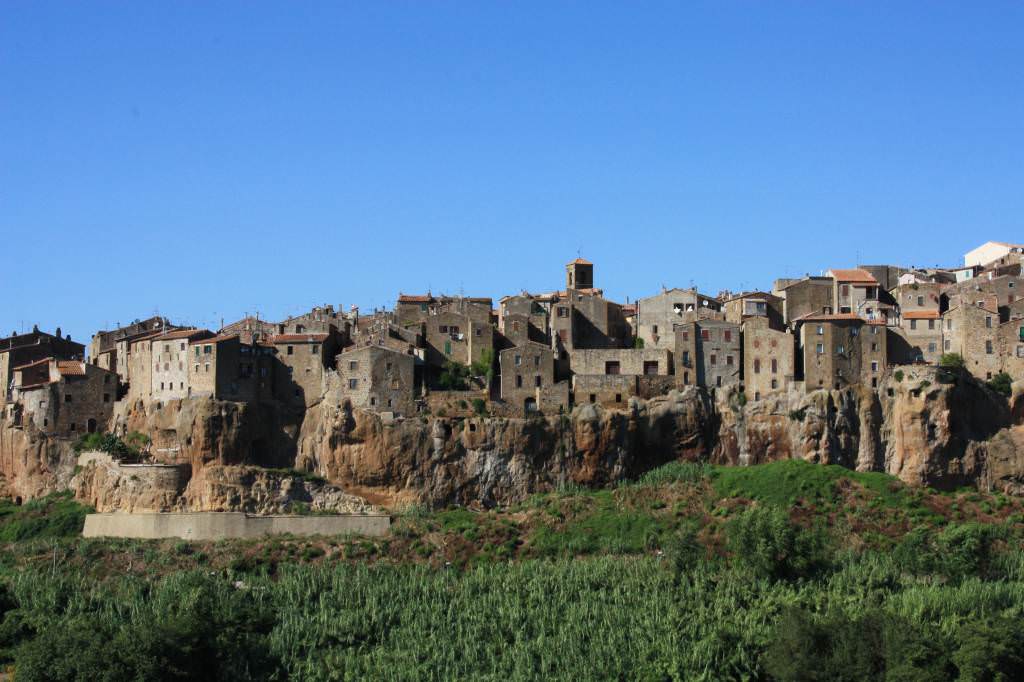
(472, 427)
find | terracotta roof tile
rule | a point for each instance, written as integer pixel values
(854, 275)
(183, 334)
(31, 364)
(921, 315)
(579, 261)
(408, 298)
(71, 368)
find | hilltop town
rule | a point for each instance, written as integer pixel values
(542, 353)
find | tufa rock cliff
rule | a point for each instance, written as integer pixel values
(918, 428)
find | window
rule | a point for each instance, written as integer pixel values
(182, 347)
(536, 361)
(167, 348)
(913, 324)
(988, 322)
(447, 347)
(718, 381)
(290, 350)
(686, 336)
(1020, 351)
(611, 367)
(705, 335)
(757, 343)
(728, 335)
(197, 369)
(593, 397)
(844, 290)
(775, 383)
(442, 329)
(353, 365)
(988, 347)
(820, 349)
(945, 344)
(931, 347)
(728, 360)
(209, 349)
(650, 367)
(207, 368)
(775, 366)
(931, 324)
(106, 397)
(537, 381)
(686, 358)
(686, 378)
(67, 397)
(874, 366)
(757, 395)
(821, 329)
(563, 311)
(373, 401)
(654, 329)
(181, 366)
(920, 301)
(949, 324)
(840, 349)
(106, 378)
(394, 384)
(352, 383)
(757, 365)
(519, 381)
(618, 397)
(72, 427)
(161, 385)
(518, 360)
(197, 351)
(314, 349)
(874, 346)
(714, 359)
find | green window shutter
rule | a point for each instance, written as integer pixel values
(447, 347)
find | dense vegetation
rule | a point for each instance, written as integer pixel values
(784, 571)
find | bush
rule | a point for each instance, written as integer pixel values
(484, 367)
(677, 472)
(57, 515)
(951, 361)
(1002, 384)
(765, 542)
(638, 342)
(898, 375)
(453, 376)
(798, 415)
(480, 406)
(110, 444)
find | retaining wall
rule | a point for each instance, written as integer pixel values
(220, 525)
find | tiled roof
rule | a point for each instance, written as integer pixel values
(71, 368)
(183, 334)
(921, 315)
(834, 317)
(214, 339)
(407, 298)
(579, 261)
(854, 275)
(298, 338)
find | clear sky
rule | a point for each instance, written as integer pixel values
(207, 159)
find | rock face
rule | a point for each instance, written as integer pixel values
(916, 427)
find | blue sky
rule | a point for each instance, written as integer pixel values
(209, 159)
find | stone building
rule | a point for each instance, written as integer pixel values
(320, 320)
(579, 274)
(523, 318)
(856, 291)
(657, 316)
(708, 353)
(302, 361)
(457, 337)
(807, 296)
(611, 376)
(21, 349)
(378, 378)
(580, 319)
(970, 328)
(225, 368)
(769, 358)
(1011, 348)
(1007, 290)
(841, 350)
(104, 345)
(755, 304)
(170, 357)
(63, 398)
(528, 379)
(250, 329)
(414, 310)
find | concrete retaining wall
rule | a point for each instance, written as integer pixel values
(220, 525)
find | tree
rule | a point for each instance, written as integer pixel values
(1002, 384)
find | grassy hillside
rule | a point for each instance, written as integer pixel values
(783, 571)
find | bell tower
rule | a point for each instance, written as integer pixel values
(579, 274)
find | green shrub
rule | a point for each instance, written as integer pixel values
(765, 542)
(951, 361)
(638, 342)
(677, 472)
(798, 415)
(57, 515)
(1002, 384)
(480, 406)
(898, 375)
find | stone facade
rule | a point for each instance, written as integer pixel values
(616, 361)
(302, 361)
(840, 350)
(769, 358)
(64, 398)
(708, 353)
(527, 374)
(972, 331)
(225, 368)
(22, 349)
(377, 378)
(586, 320)
(755, 304)
(657, 316)
(807, 296)
(170, 357)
